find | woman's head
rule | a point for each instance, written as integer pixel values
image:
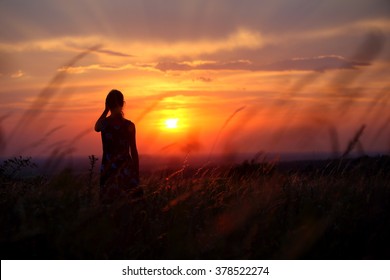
(115, 100)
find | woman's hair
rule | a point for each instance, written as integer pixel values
(115, 99)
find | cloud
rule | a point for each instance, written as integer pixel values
(146, 48)
(114, 53)
(102, 67)
(358, 27)
(176, 19)
(12, 74)
(209, 65)
(84, 43)
(239, 39)
(204, 79)
(17, 74)
(320, 63)
(135, 20)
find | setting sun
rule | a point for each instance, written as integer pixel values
(171, 123)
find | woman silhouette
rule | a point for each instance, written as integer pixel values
(119, 169)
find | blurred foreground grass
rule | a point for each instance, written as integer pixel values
(254, 210)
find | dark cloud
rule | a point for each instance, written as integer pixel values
(175, 66)
(176, 19)
(320, 63)
(100, 50)
(114, 53)
(204, 79)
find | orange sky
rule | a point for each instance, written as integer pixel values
(287, 76)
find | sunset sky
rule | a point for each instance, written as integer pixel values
(207, 76)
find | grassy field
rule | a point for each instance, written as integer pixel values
(336, 209)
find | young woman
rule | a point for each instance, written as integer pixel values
(120, 164)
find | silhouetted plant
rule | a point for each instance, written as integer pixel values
(10, 168)
(92, 162)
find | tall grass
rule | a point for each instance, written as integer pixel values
(254, 210)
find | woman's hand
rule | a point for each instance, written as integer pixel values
(98, 124)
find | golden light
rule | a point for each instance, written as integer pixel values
(171, 123)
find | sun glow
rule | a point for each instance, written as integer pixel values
(171, 123)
